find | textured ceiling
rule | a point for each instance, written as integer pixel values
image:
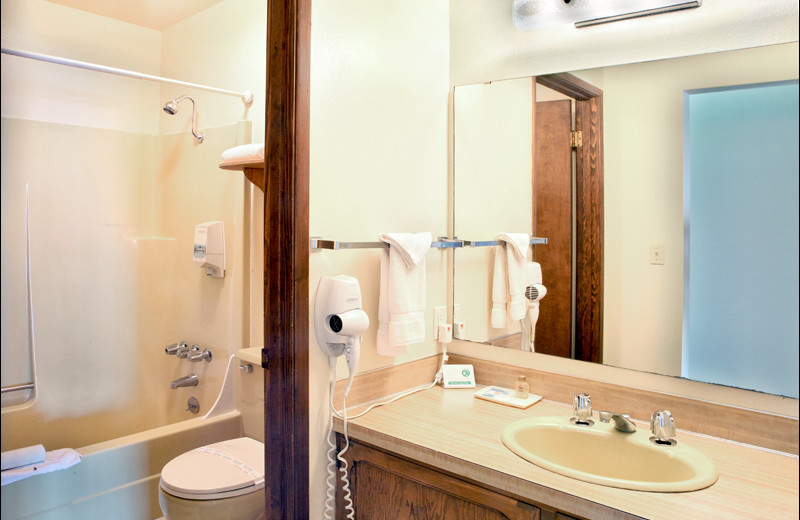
(154, 14)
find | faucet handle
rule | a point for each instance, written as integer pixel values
(582, 407)
(184, 350)
(663, 427)
(195, 355)
(173, 349)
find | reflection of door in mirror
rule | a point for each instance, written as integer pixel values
(511, 167)
(568, 209)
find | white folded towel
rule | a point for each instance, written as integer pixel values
(245, 152)
(54, 460)
(509, 278)
(401, 305)
(22, 457)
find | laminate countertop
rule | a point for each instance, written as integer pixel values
(453, 431)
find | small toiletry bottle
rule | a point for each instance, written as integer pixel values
(521, 388)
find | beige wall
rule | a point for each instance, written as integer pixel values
(379, 96)
(115, 195)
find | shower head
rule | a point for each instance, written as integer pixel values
(171, 108)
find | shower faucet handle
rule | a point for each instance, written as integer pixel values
(185, 350)
(195, 355)
(173, 349)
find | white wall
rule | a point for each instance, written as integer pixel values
(379, 93)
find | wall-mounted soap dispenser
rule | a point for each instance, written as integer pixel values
(209, 247)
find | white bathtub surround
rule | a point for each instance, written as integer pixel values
(508, 282)
(401, 318)
(53, 461)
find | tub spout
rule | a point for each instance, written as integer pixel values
(190, 380)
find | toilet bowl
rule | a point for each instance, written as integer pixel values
(220, 481)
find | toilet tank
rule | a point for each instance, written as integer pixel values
(250, 398)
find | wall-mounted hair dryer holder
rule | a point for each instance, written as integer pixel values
(339, 319)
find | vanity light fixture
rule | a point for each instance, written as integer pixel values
(537, 14)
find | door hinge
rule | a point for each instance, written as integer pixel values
(576, 139)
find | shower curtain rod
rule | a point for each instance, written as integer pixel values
(246, 96)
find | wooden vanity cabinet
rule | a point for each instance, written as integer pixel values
(386, 487)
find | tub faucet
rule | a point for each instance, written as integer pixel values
(190, 380)
(622, 422)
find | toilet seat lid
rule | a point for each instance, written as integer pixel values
(220, 470)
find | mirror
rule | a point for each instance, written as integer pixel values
(643, 163)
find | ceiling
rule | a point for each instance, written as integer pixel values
(154, 14)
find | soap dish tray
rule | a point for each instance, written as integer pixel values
(506, 396)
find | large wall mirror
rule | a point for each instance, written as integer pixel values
(646, 220)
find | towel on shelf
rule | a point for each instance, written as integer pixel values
(509, 278)
(22, 457)
(245, 152)
(54, 460)
(401, 304)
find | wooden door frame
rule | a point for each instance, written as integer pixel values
(284, 357)
(588, 212)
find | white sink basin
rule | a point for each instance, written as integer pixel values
(602, 455)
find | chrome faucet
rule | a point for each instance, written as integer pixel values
(582, 407)
(173, 349)
(663, 427)
(622, 422)
(190, 380)
(195, 355)
(184, 350)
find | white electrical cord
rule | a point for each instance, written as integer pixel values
(437, 379)
(330, 498)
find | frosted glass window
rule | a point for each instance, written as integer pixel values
(741, 208)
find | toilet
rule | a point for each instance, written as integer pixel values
(220, 481)
(223, 480)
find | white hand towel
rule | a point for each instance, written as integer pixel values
(510, 257)
(22, 457)
(401, 305)
(54, 460)
(245, 152)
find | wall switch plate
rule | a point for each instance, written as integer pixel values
(657, 254)
(439, 318)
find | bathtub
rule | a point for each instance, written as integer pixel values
(116, 479)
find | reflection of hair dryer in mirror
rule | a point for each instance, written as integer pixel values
(339, 320)
(534, 292)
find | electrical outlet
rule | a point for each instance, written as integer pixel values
(439, 318)
(657, 254)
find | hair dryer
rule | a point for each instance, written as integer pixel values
(534, 292)
(339, 320)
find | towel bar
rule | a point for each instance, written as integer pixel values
(443, 243)
(17, 388)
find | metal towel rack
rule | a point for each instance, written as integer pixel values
(17, 388)
(443, 243)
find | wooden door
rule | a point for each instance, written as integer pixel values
(552, 218)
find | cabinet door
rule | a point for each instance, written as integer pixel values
(385, 487)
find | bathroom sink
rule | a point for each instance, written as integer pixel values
(603, 455)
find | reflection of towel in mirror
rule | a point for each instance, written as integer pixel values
(401, 305)
(509, 279)
(54, 460)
